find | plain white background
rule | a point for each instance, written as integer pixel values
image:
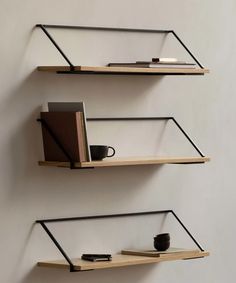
(202, 195)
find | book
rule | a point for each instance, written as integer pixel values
(73, 107)
(164, 61)
(168, 253)
(154, 65)
(68, 128)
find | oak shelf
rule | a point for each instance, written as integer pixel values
(123, 70)
(126, 257)
(110, 162)
(73, 69)
(119, 260)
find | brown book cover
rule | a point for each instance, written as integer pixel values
(68, 128)
(73, 107)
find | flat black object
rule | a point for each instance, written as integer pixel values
(97, 257)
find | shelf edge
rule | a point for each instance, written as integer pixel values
(131, 261)
(123, 70)
(127, 162)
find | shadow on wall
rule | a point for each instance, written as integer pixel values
(44, 275)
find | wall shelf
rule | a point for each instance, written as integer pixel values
(125, 161)
(110, 162)
(121, 70)
(120, 260)
(78, 69)
(75, 265)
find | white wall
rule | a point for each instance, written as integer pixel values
(202, 195)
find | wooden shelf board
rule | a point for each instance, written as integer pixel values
(124, 70)
(108, 162)
(118, 260)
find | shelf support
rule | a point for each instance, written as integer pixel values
(72, 67)
(188, 138)
(57, 141)
(72, 269)
(150, 119)
(43, 28)
(90, 217)
(186, 48)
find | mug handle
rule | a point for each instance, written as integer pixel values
(113, 153)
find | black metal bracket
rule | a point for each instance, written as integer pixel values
(72, 67)
(151, 119)
(90, 217)
(58, 142)
(72, 162)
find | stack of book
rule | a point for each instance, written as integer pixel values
(67, 122)
(169, 63)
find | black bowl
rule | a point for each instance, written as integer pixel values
(163, 236)
(161, 246)
(162, 241)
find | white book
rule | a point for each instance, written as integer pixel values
(165, 60)
(154, 65)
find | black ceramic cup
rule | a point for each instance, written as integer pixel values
(162, 242)
(98, 152)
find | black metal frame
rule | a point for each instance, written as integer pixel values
(72, 66)
(90, 217)
(72, 162)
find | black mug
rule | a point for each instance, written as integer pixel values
(98, 152)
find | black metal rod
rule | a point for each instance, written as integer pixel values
(185, 134)
(57, 141)
(57, 245)
(105, 28)
(186, 48)
(56, 45)
(128, 118)
(150, 118)
(90, 217)
(187, 231)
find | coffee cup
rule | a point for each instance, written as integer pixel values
(98, 152)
